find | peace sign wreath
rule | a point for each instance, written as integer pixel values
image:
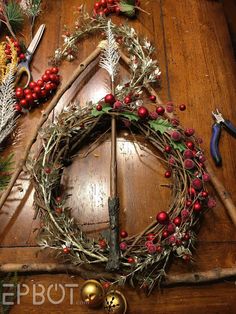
(142, 258)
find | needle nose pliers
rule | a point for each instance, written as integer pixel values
(216, 132)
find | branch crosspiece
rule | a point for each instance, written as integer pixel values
(109, 61)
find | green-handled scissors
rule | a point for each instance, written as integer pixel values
(23, 67)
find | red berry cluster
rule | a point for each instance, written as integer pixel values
(37, 92)
(105, 7)
(117, 104)
(19, 49)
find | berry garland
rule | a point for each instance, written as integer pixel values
(20, 49)
(145, 256)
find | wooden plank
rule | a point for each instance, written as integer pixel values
(202, 298)
(127, 154)
(230, 12)
(201, 74)
(16, 215)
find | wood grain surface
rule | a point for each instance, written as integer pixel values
(195, 54)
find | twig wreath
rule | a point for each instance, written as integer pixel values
(143, 257)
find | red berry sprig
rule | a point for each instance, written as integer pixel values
(19, 49)
(37, 92)
(106, 7)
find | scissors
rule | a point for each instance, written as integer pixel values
(23, 67)
(216, 132)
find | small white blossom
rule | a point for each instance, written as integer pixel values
(157, 71)
(66, 39)
(119, 88)
(132, 31)
(147, 44)
(139, 103)
(30, 7)
(134, 66)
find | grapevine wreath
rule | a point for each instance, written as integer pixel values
(143, 257)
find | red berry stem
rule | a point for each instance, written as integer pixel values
(142, 10)
(37, 92)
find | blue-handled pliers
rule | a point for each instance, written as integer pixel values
(216, 131)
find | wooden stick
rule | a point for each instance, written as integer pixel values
(142, 10)
(5, 19)
(113, 263)
(54, 268)
(80, 69)
(113, 187)
(200, 277)
(185, 278)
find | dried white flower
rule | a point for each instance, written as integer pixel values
(157, 71)
(147, 44)
(31, 8)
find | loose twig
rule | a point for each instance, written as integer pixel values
(109, 61)
(200, 277)
(193, 278)
(5, 19)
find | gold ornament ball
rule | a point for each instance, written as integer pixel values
(115, 303)
(92, 293)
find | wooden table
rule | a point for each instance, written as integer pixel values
(196, 58)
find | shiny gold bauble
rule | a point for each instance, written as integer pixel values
(92, 293)
(115, 303)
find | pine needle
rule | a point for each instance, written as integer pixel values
(110, 56)
(7, 107)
